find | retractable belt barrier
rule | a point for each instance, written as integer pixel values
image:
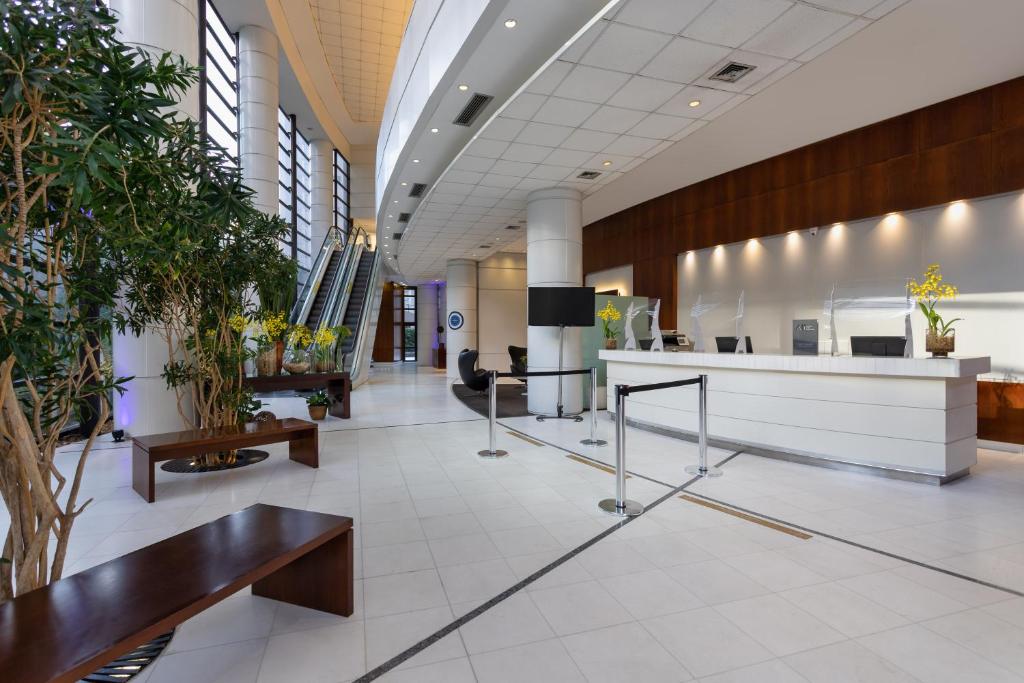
(620, 505)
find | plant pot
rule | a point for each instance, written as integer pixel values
(266, 362)
(317, 412)
(297, 362)
(938, 346)
(278, 356)
(323, 365)
(611, 344)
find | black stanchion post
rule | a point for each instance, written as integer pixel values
(492, 417)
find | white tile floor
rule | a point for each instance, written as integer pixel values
(682, 593)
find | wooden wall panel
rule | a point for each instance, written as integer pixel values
(1001, 411)
(384, 342)
(969, 146)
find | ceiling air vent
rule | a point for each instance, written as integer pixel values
(404, 217)
(472, 109)
(396, 236)
(485, 246)
(589, 175)
(732, 72)
(417, 189)
(512, 227)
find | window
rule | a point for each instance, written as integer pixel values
(293, 179)
(341, 185)
(218, 49)
(405, 324)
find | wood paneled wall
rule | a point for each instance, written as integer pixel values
(384, 342)
(1001, 411)
(966, 147)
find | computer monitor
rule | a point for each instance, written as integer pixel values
(878, 346)
(728, 344)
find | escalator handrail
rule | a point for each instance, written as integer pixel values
(334, 238)
(364, 317)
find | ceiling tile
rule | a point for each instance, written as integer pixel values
(458, 176)
(578, 48)
(502, 128)
(516, 168)
(709, 99)
(660, 126)
(613, 119)
(590, 84)
(499, 180)
(564, 112)
(567, 157)
(883, 8)
(645, 94)
(667, 16)
(631, 146)
(486, 148)
(549, 78)
(689, 130)
(533, 184)
(659, 148)
(588, 140)
(524, 106)
(596, 162)
(849, 6)
(683, 60)
(624, 48)
(471, 163)
(518, 151)
(545, 134)
(796, 31)
(834, 39)
(733, 22)
(546, 172)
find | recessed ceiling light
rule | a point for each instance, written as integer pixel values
(404, 184)
(606, 163)
(415, 161)
(463, 87)
(390, 215)
(395, 202)
(510, 23)
(433, 130)
(694, 103)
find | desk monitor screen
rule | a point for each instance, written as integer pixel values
(554, 306)
(728, 344)
(878, 346)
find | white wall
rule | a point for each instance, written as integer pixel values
(428, 298)
(620, 278)
(502, 308)
(978, 243)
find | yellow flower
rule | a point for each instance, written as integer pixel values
(300, 336)
(238, 322)
(324, 337)
(609, 313)
(275, 325)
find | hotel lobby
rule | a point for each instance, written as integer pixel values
(507, 340)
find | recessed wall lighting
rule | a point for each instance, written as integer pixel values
(415, 161)
(510, 23)
(606, 163)
(463, 87)
(395, 202)
(404, 184)
(433, 130)
(694, 103)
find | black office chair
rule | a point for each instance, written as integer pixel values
(474, 379)
(517, 358)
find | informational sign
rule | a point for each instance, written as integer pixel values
(455, 320)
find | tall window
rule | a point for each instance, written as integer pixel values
(405, 323)
(218, 49)
(341, 185)
(293, 177)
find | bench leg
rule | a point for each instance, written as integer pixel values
(303, 448)
(143, 474)
(322, 579)
(340, 392)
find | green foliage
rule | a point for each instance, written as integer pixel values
(278, 287)
(318, 398)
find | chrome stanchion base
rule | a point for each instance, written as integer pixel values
(492, 454)
(594, 442)
(630, 508)
(574, 418)
(696, 471)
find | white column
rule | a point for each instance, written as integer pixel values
(322, 190)
(554, 258)
(461, 295)
(147, 405)
(259, 89)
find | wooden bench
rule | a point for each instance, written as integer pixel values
(75, 626)
(149, 450)
(338, 386)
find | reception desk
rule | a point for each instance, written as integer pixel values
(914, 418)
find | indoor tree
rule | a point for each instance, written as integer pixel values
(76, 106)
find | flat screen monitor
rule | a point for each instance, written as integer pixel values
(878, 346)
(556, 306)
(728, 344)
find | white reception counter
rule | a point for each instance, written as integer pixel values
(914, 417)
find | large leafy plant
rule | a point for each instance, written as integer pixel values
(76, 106)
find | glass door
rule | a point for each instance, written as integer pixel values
(405, 324)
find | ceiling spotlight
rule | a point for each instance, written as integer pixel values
(510, 23)
(606, 163)
(415, 161)
(395, 202)
(463, 87)
(694, 103)
(433, 130)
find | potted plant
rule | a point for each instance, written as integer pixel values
(608, 315)
(275, 326)
(317, 404)
(299, 340)
(324, 341)
(940, 339)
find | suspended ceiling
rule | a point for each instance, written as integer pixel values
(360, 39)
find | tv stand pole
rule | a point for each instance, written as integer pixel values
(560, 415)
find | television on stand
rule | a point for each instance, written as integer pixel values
(560, 307)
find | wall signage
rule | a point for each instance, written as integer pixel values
(455, 320)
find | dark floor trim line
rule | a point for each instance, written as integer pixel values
(755, 519)
(528, 439)
(408, 654)
(411, 424)
(901, 558)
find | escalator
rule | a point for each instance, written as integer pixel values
(325, 289)
(357, 299)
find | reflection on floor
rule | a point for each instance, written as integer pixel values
(684, 592)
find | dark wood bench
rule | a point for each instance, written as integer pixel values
(74, 626)
(149, 450)
(338, 386)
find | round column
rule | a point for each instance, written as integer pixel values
(321, 192)
(147, 406)
(259, 90)
(461, 299)
(554, 258)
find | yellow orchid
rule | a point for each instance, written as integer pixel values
(608, 315)
(930, 292)
(300, 337)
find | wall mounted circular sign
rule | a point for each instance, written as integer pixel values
(455, 320)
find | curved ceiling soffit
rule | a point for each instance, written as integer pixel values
(297, 35)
